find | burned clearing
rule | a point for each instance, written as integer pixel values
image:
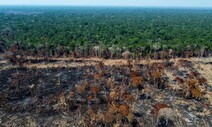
(100, 93)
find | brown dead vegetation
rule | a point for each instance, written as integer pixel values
(97, 92)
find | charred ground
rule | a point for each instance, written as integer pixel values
(96, 92)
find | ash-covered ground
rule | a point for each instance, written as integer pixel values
(123, 93)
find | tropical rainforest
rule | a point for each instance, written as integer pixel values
(170, 28)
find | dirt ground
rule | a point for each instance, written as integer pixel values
(31, 96)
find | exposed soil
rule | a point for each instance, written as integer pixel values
(39, 93)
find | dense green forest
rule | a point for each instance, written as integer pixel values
(175, 28)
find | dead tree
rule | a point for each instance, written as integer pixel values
(112, 52)
(164, 54)
(126, 54)
(202, 52)
(172, 53)
(96, 51)
(187, 54)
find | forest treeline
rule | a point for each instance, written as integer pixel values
(107, 31)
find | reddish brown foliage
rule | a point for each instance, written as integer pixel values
(192, 83)
(202, 80)
(196, 93)
(129, 98)
(80, 89)
(134, 73)
(95, 89)
(194, 73)
(179, 80)
(156, 74)
(124, 110)
(100, 65)
(137, 80)
(194, 89)
(157, 107)
(98, 76)
(89, 98)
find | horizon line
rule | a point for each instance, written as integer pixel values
(148, 6)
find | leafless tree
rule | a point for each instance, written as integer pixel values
(96, 50)
(126, 54)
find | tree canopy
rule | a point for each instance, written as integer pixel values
(123, 27)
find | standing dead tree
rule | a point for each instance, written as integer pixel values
(15, 55)
(96, 51)
(126, 54)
